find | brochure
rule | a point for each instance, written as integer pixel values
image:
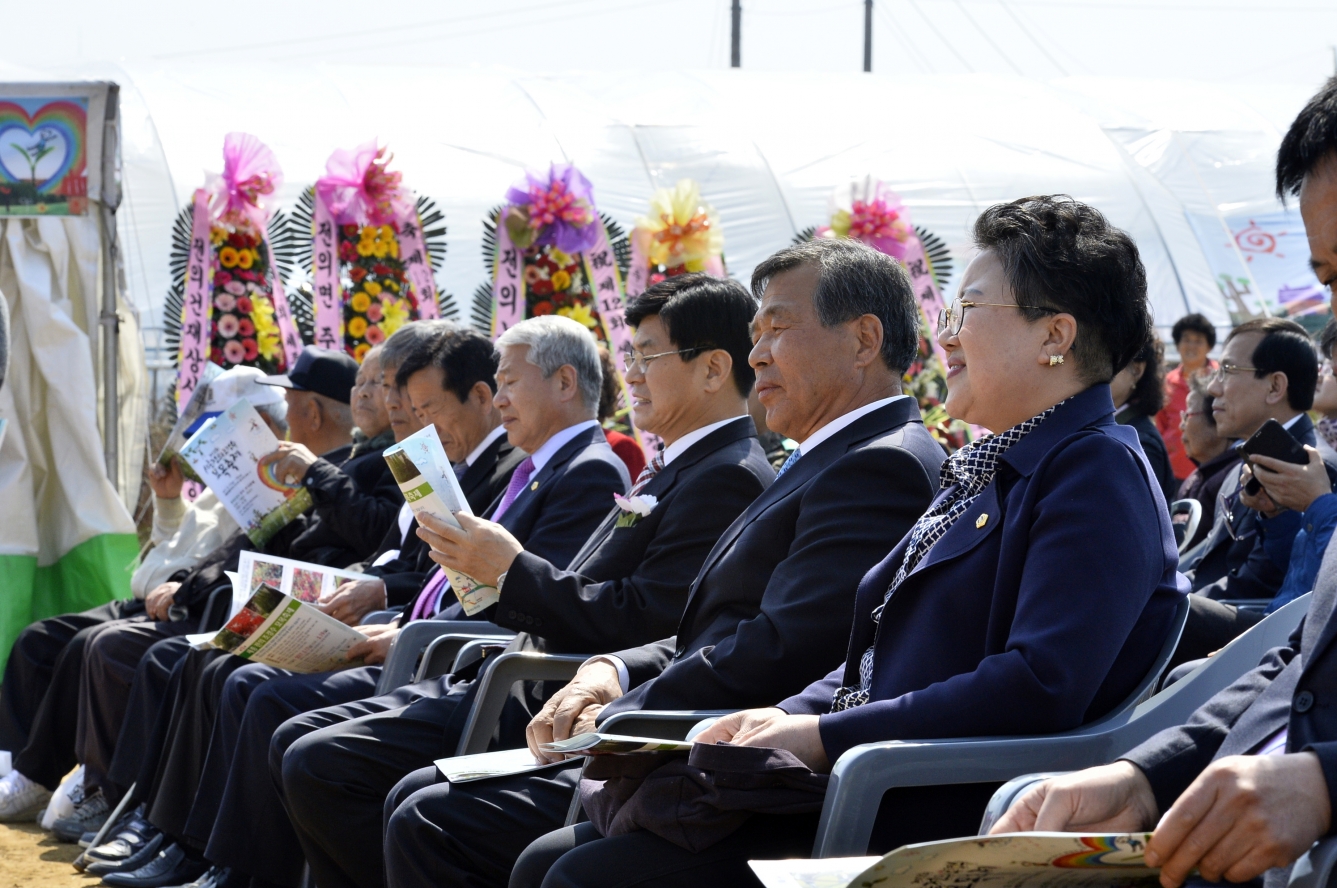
(428, 483)
(485, 765)
(302, 580)
(226, 454)
(281, 631)
(1012, 860)
(191, 416)
(614, 744)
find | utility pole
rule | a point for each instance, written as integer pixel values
(867, 36)
(735, 59)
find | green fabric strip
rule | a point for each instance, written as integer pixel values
(94, 572)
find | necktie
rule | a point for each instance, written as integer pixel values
(647, 474)
(425, 606)
(789, 463)
(518, 482)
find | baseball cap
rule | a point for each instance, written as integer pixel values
(329, 373)
(229, 387)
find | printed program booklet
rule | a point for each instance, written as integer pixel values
(283, 632)
(614, 744)
(226, 452)
(428, 483)
(485, 765)
(1012, 860)
(190, 414)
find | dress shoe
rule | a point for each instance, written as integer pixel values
(170, 866)
(143, 852)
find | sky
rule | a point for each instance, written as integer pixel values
(1222, 41)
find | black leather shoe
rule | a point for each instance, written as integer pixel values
(170, 866)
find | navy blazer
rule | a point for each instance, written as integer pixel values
(1040, 609)
(771, 604)
(561, 506)
(629, 582)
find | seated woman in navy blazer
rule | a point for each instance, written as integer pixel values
(1033, 595)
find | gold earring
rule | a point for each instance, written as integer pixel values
(1055, 360)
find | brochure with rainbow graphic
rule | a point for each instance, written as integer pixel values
(226, 454)
(1010, 860)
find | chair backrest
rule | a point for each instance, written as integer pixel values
(1185, 516)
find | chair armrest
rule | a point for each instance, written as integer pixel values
(379, 618)
(1008, 793)
(476, 649)
(442, 654)
(1315, 867)
(218, 602)
(494, 686)
(413, 639)
(660, 724)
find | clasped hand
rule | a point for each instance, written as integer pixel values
(1243, 815)
(573, 709)
(775, 729)
(478, 548)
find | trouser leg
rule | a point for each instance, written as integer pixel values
(470, 834)
(142, 732)
(250, 828)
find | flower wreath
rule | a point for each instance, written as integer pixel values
(681, 233)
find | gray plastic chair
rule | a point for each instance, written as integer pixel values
(864, 774)
(494, 686)
(411, 644)
(1191, 509)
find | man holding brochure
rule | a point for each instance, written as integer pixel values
(548, 380)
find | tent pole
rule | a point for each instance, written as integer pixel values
(736, 35)
(108, 201)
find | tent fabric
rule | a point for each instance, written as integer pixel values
(67, 542)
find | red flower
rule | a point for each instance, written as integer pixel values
(252, 352)
(357, 273)
(381, 268)
(542, 308)
(347, 252)
(542, 288)
(245, 327)
(244, 305)
(221, 278)
(236, 240)
(216, 355)
(350, 230)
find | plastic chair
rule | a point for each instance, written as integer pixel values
(494, 686)
(863, 774)
(412, 641)
(216, 608)
(1185, 516)
(380, 618)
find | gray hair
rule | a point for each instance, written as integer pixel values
(555, 341)
(854, 280)
(411, 336)
(277, 411)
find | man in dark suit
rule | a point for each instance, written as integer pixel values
(547, 389)
(837, 326)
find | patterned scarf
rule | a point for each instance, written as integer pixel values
(964, 475)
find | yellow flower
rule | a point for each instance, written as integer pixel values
(217, 234)
(360, 301)
(357, 327)
(372, 288)
(396, 316)
(392, 285)
(227, 257)
(246, 258)
(561, 281)
(579, 313)
(680, 227)
(268, 340)
(365, 248)
(361, 352)
(559, 257)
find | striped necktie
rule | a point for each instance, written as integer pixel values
(651, 469)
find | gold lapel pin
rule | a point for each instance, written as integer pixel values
(982, 520)
(534, 486)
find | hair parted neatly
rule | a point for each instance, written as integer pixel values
(854, 280)
(555, 341)
(465, 356)
(411, 336)
(1284, 348)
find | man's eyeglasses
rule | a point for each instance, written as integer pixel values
(632, 359)
(953, 315)
(1235, 520)
(1225, 368)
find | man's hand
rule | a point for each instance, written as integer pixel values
(1243, 815)
(775, 729)
(1110, 798)
(159, 600)
(478, 548)
(290, 462)
(1290, 485)
(573, 709)
(377, 646)
(1260, 501)
(166, 481)
(353, 600)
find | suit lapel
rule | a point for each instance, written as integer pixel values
(478, 474)
(978, 522)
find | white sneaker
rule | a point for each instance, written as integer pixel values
(20, 798)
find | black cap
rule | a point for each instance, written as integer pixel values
(329, 373)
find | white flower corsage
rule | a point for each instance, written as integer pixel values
(634, 508)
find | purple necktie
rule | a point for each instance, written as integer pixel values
(518, 482)
(430, 595)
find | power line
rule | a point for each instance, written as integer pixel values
(934, 28)
(1027, 31)
(985, 34)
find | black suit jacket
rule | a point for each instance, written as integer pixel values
(1293, 687)
(771, 608)
(356, 504)
(485, 481)
(561, 507)
(628, 584)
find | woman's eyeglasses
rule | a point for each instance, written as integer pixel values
(953, 315)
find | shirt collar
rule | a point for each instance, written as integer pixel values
(680, 446)
(840, 422)
(487, 442)
(550, 447)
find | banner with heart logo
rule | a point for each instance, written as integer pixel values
(43, 168)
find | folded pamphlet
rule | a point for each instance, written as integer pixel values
(189, 416)
(226, 452)
(428, 483)
(485, 765)
(283, 632)
(614, 744)
(1011, 860)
